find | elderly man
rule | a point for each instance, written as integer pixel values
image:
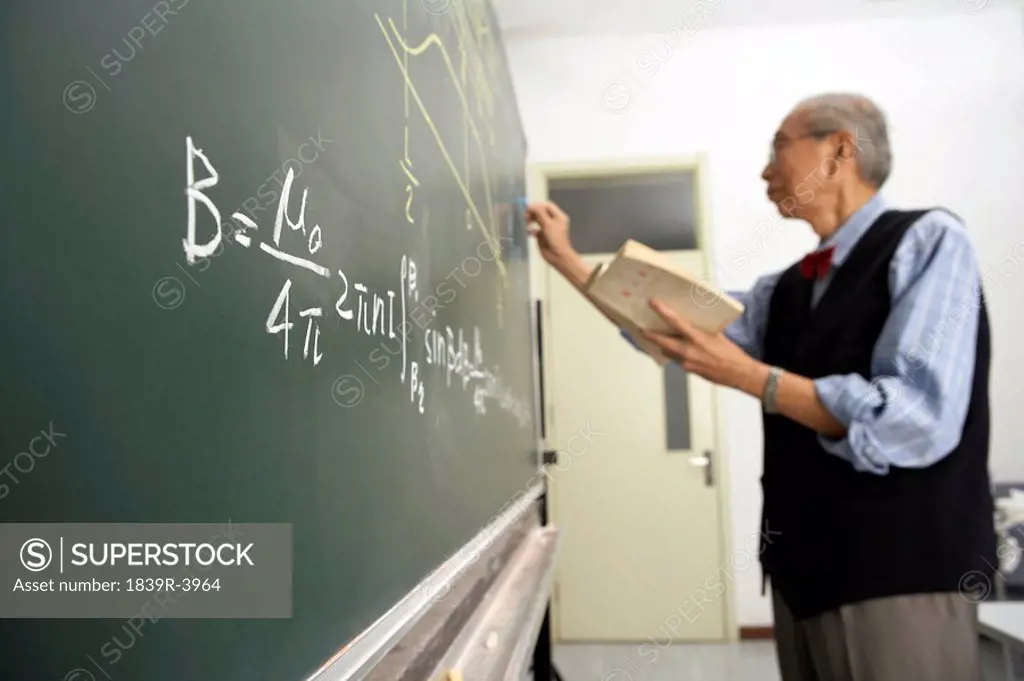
(871, 359)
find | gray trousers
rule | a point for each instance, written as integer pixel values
(926, 637)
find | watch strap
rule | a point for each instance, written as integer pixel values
(771, 389)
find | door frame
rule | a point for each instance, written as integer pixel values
(538, 176)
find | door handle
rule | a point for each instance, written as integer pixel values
(707, 462)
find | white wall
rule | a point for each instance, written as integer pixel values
(953, 88)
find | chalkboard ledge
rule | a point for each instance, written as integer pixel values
(477, 616)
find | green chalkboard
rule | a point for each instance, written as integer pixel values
(164, 367)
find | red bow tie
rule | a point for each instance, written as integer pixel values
(817, 263)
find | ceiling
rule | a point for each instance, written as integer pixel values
(525, 19)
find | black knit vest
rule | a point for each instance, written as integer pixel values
(832, 535)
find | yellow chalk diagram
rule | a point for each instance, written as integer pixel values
(474, 66)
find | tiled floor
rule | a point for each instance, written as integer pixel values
(749, 661)
(745, 661)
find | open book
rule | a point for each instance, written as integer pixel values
(623, 290)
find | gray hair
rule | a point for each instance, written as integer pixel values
(861, 117)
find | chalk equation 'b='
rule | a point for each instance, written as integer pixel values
(195, 191)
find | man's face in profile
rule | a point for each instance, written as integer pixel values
(796, 170)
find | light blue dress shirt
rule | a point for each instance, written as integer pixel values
(911, 413)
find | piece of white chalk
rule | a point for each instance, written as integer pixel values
(492, 640)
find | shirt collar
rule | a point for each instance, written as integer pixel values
(846, 237)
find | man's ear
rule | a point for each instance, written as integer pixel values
(846, 147)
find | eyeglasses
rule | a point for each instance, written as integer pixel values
(780, 144)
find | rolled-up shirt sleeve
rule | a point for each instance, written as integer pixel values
(911, 412)
(748, 331)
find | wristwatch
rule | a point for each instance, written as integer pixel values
(771, 387)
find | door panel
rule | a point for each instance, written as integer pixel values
(640, 555)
